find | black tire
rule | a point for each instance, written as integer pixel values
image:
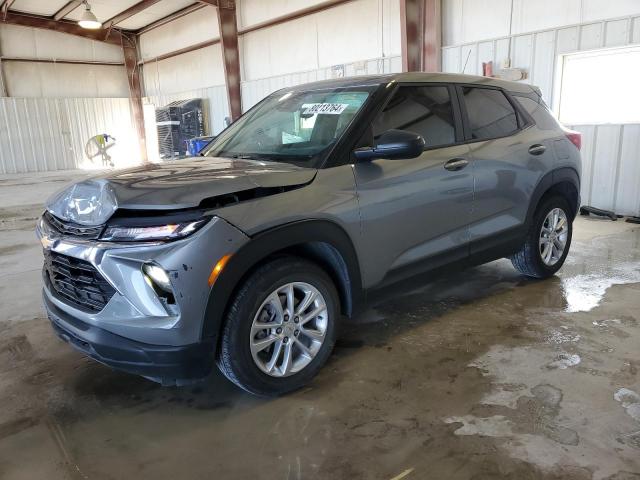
(234, 358)
(528, 260)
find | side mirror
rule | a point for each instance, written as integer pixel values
(393, 145)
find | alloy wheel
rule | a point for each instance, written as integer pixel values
(289, 329)
(553, 236)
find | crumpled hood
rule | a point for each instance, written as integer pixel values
(186, 183)
(171, 185)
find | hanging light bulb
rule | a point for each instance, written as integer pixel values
(88, 19)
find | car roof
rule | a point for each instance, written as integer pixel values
(413, 77)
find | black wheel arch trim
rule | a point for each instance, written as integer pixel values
(272, 241)
(554, 177)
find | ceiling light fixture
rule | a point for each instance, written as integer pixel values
(88, 19)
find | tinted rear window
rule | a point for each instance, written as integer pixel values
(490, 113)
(539, 112)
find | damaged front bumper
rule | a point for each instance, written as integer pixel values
(126, 324)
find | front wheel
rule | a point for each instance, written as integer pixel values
(548, 240)
(280, 328)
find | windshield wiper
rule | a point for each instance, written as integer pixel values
(240, 156)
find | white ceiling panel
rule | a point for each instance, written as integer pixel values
(155, 12)
(39, 7)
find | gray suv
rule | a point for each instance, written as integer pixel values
(248, 255)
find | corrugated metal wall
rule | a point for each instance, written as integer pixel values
(347, 33)
(611, 153)
(41, 127)
(44, 134)
(59, 80)
(611, 167)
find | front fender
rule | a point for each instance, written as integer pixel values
(269, 242)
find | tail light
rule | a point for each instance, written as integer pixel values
(574, 137)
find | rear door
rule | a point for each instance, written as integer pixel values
(509, 158)
(415, 209)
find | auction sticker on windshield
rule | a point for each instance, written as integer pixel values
(326, 108)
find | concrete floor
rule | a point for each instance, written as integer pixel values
(479, 374)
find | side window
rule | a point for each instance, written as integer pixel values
(490, 113)
(426, 111)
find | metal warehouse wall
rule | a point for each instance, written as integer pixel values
(540, 32)
(354, 31)
(43, 123)
(294, 52)
(32, 79)
(43, 134)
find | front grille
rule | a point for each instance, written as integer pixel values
(76, 282)
(71, 229)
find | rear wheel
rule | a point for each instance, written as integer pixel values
(548, 240)
(280, 328)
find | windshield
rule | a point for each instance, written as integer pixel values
(293, 127)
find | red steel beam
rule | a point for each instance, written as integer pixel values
(129, 12)
(228, 27)
(66, 62)
(67, 9)
(114, 36)
(432, 36)
(420, 23)
(3, 80)
(6, 5)
(135, 93)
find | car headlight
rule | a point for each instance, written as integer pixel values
(170, 231)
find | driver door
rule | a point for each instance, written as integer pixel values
(416, 211)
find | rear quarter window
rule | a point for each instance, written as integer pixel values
(541, 115)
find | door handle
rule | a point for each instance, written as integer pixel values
(456, 164)
(537, 149)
